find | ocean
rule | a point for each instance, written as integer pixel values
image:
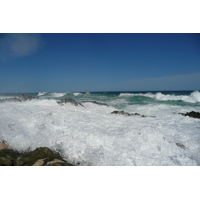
(126, 129)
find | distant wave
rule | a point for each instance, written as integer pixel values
(42, 93)
(194, 97)
(76, 93)
(53, 94)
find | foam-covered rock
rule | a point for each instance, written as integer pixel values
(96, 102)
(68, 100)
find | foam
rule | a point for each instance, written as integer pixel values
(90, 135)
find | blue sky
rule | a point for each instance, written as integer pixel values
(99, 62)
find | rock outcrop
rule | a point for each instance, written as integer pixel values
(18, 99)
(41, 156)
(68, 100)
(128, 114)
(95, 102)
(191, 114)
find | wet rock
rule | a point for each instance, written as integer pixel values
(68, 100)
(128, 114)
(181, 146)
(95, 102)
(18, 99)
(15, 99)
(27, 98)
(123, 113)
(9, 157)
(42, 156)
(191, 114)
(3, 145)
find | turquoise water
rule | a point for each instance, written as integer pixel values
(122, 99)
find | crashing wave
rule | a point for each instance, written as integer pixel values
(42, 93)
(194, 97)
(76, 93)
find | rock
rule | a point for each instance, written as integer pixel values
(181, 146)
(26, 97)
(15, 99)
(42, 156)
(4, 146)
(9, 157)
(18, 99)
(191, 114)
(68, 100)
(128, 114)
(122, 113)
(95, 102)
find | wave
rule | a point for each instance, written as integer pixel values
(42, 93)
(194, 97)
(52, 95)
(90, 135)
(77, 93)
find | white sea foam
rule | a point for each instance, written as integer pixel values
(91, 135)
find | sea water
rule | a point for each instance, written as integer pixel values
(91, 135)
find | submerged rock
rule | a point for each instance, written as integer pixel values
(27, 98)
(42, 156)
(18, 99)
(181, 146)
(128, 114)
(68, 100)
(95, 102)
(192, 114)
(15, 99)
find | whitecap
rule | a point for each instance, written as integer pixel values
(76, 93)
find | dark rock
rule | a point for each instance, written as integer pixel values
(27, 98)
(122, 113)
(42, 156)
(8, 157)
(181, 146)
(128, 114)
(15, 99)
(68, 100)
(95, 102)
(191, 114)
(18, 99)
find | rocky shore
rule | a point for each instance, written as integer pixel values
(41, 156)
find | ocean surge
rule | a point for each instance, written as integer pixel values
(91, 135)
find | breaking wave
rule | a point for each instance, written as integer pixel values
(52, 95)
(194, 97)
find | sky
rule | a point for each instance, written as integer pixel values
(86, 62)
